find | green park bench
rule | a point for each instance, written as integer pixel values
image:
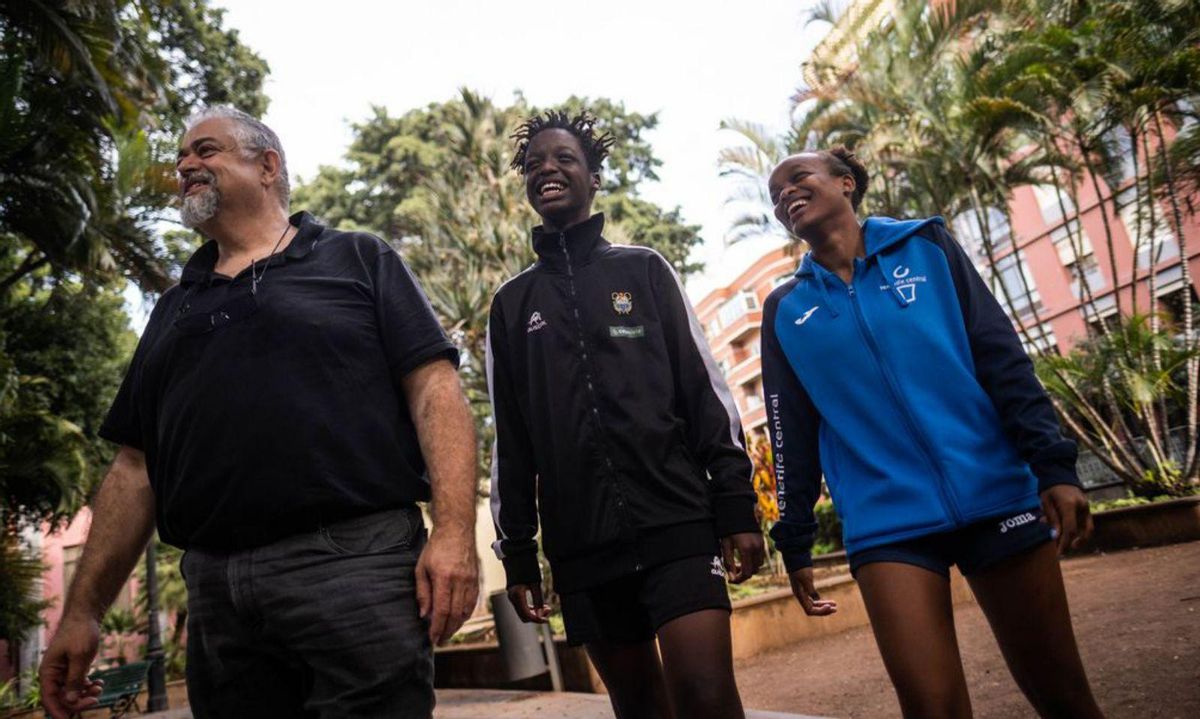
(122, 684)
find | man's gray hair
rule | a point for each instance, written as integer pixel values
(253, 137)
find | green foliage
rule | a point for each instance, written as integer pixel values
(62, 348)
(31, 699)
(91, 97)
(1134, 501)
(1120, 380)
(20, 570)
(116, 627)
(829, 529)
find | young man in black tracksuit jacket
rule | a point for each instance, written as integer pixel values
(614, 427)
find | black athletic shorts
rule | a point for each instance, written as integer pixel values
(631, 609)
(973, 548)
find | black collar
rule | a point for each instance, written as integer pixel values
(582, 242)
(199, 267)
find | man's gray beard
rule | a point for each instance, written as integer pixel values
(200, 207)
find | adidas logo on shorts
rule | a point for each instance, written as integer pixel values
(717, 568)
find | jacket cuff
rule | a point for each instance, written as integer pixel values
(1051, 473)
(522, 569)
(735, 515)
(796, 559)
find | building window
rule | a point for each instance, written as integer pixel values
(1071, 242)
(737, 307)
(1142, 233)
(1121, 145)
(781, 279)
(1012, 274)
(1092, 275)
(1041, 340)
(1075, 252)
(714, 327)
(969, 231)
(1173, 302)
(1187, 114)
(1054, 208)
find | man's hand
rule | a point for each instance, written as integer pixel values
(742, 554)
(122, 522)
(66, 690)
(806, 592)
(529, 610)
(448, 570)
(447, 582)
(1066, 509)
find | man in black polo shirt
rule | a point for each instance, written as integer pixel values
(288, 404)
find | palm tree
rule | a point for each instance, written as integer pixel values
(749, 164)
(73, 84)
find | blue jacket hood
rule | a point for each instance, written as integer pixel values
(879, 233)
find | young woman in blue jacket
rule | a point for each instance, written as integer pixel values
(891, 370)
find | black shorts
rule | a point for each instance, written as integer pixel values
(973, 548)
(631, 609)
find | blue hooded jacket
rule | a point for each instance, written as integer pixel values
(908, 389)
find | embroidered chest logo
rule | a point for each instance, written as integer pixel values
(905, 283)
(622, 302)
(535, 323)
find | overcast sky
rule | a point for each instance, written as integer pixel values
(695, 63)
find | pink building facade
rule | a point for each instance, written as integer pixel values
(1068, 261)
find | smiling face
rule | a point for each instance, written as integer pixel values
(558, 183)
(214, 173)
(807, 196)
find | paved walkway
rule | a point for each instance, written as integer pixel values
(1136, 615)
(495, 704)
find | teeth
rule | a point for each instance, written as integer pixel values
(796, 204)
(550, 187)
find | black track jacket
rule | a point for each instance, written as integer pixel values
(611, 417)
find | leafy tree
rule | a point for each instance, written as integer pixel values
(92, 97)
(89, 95)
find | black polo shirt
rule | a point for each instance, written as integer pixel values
(263, 415)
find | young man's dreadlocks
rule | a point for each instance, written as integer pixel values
(582, 126)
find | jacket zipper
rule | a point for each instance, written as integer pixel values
(948, 502)
(591, 389)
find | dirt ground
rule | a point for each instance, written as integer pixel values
(1136, 615)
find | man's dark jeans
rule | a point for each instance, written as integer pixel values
(322, 624)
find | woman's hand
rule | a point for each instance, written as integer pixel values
(806, 593)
